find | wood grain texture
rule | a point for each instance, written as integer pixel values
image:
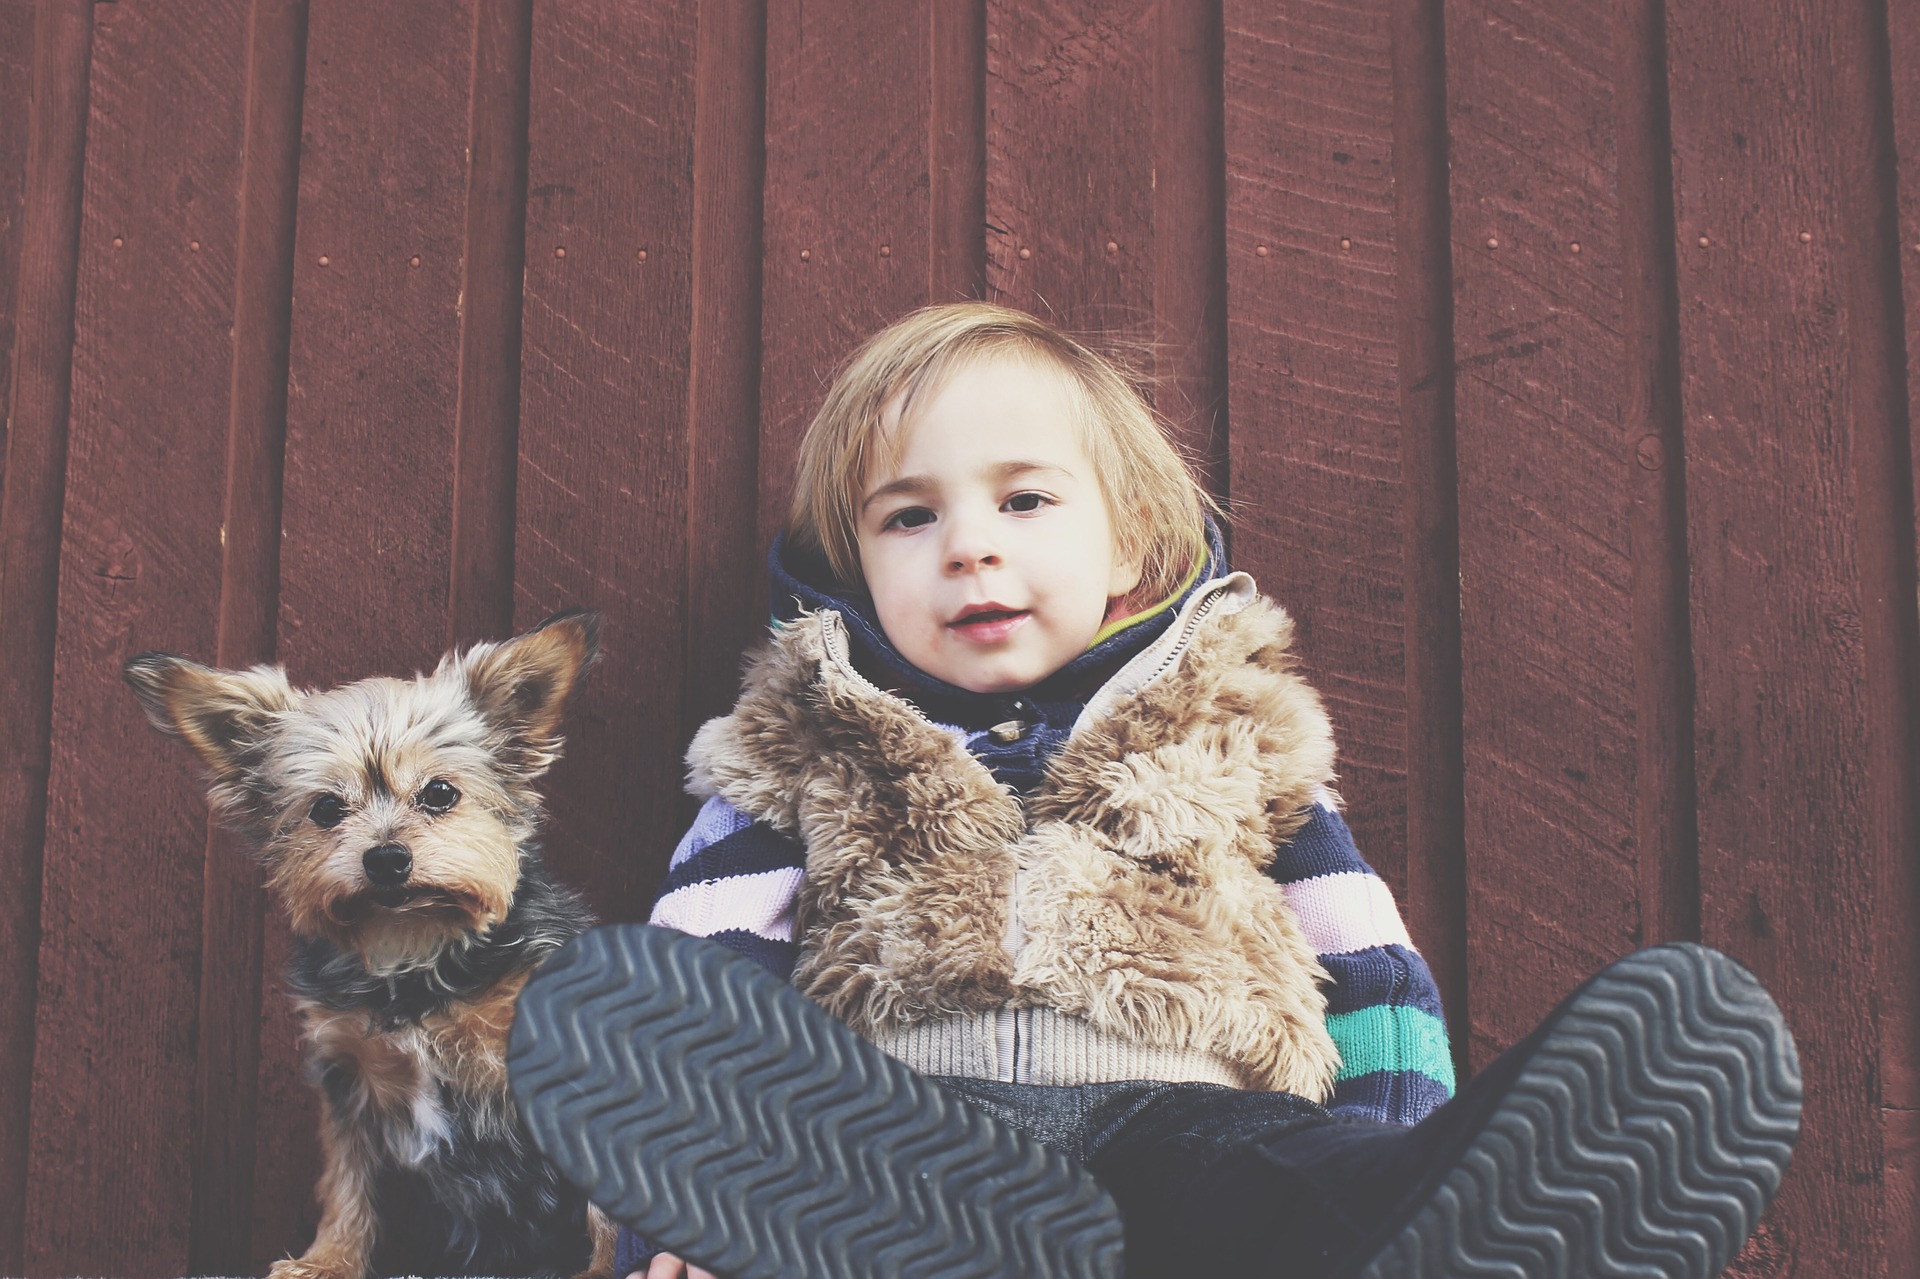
(233, 905)
(366, 558)
(724, 613)
(1316, 445)
(30, 501)
(487, 415)
(1070, 161)
(603, 438)
(846, 177)
(1190, 219)
(1545, 575)
(1900, 892)
(1436, 880)
(957, 159)
(114, 1066)
(16, 105)
(1778, 356)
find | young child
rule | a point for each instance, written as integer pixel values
(1027, 792)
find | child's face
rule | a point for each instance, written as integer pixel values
(989, 548)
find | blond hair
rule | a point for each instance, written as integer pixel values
(1157, 505)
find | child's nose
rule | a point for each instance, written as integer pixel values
(969, 547)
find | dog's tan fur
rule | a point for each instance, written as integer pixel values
(1137, 865)
(485, 722)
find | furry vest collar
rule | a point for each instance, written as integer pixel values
(1127, 891)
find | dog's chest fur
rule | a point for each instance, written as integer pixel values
(417, 1085)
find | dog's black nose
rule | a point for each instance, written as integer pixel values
(388, 865)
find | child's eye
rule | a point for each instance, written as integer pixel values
(1026, 503)
(908, 517)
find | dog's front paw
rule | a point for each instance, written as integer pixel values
(312, 1268)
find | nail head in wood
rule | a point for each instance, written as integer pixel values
(640, 256)
(414, 260)
(1704, 242)
(118, 242)
(325, 260)
(1113, 246)
(886, 250)
(1025, 254)
(194, 245)
(806, 255)
(559, 250)
(1574, 247)
(1345, 243)
(1261, 251)
(1806, 237)
(1493, 242)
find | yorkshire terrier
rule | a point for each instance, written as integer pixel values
(395, 823)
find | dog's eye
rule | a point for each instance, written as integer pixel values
(328, 811)
(438, 796)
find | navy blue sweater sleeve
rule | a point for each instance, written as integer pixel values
(1383, 1009)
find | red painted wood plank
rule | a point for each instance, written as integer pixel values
(1436, 819)
(603, 437)
(37, 415)
(487, 415)
(723, 611)
(957, 160)
(233, 904)
(16, 99)
(108, 1188)
(1900, 957)
(847, 210)
(1070, 157)
(1785, 368)
(373, 385)
(1545, 570)
(1313, 283)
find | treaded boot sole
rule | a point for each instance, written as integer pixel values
(716, 1111)
(1644, 1137)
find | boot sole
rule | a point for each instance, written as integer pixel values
(716, 1111)
(1643, 1138)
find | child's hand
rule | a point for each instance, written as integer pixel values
(667, 1266)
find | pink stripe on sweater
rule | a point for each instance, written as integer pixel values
(1347, 912)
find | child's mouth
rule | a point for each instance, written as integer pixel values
(989, 625)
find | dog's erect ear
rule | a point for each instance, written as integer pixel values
(223, 715)
(521, 685)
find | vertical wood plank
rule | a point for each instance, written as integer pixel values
(847, 216)
(40, 369)
(1422, 226)
(957, 162)
(1313, 311)
(724, 611)
(1900, 894)
(114, 1068)
(233, 904)
(1784, 364)
(373, 385)
(1189, 218)
(1545, 576)
(1070, 164)
(603, 439)
(487, 415)
(16, 106)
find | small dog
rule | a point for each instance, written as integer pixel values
(395, 821)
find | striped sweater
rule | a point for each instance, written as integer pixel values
(735, 880)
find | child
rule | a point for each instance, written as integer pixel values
(1027, 792)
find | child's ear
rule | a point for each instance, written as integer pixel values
(521, 685)
(226, 716)
(1127, 568)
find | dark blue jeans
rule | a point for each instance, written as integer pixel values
(1213, 1180)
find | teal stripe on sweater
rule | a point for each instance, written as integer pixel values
(1390, 1037)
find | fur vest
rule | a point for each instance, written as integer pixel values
(1127, 890)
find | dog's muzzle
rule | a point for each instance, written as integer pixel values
(387, 865)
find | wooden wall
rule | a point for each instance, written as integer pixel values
(1557, 359)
